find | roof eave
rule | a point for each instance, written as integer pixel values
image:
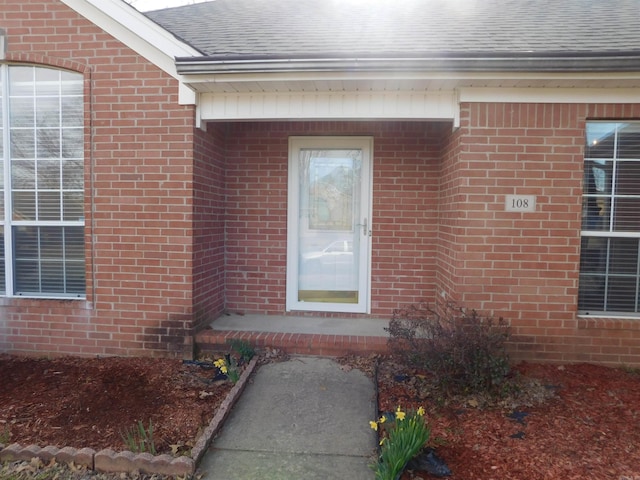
(230, 65)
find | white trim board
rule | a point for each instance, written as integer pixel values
(550, 95)
(440, 105)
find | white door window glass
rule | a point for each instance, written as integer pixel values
(329, 226)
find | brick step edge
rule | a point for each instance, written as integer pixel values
(109, 461)
(326, 345)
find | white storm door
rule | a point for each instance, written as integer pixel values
(329, 224)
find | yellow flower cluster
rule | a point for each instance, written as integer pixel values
(222, 365)
(401, 441)
(374, 425)
(400, 415)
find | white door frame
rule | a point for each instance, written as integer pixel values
(364, 224)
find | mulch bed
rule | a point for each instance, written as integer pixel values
(574, 422)
(89, 402)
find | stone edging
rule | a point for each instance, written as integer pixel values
(109, 461)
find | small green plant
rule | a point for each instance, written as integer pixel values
(243, 348)
(624, 368)
(405, 434)
(465, 351)
(5, 435)
(140, 439)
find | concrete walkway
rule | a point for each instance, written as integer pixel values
(305, 418)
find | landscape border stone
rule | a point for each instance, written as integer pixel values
(109, 461)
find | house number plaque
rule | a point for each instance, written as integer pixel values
(520, 203)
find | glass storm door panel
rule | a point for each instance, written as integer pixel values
(329, 224)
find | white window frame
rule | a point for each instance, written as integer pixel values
(605, 235)
(7, 222)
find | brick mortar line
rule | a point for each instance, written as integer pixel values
(109, 461)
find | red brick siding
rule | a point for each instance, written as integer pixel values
(525, 265)
(405, 213)
(208, 234)
(449, 253)
(405, 182)
(138, 171)
(256, 217)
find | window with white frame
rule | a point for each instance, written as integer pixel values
(610, 250)
(41, 182)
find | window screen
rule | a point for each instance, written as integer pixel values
(609, 259)
(43, 219)
(3, 115)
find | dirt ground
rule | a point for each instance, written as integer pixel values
(575, 422)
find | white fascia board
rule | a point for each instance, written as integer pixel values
(139, 33)
(302, 77)
(550, 95)
(442, 105)
(461, 77)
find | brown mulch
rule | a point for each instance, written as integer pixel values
(571, 422)
(92, 402)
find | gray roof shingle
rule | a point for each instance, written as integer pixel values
(406, 28)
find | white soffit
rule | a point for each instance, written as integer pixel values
(442, 105)
(140, 34)
(240, 95)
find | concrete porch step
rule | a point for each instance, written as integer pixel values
(297, 335)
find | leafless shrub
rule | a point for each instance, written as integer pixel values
(464, 350)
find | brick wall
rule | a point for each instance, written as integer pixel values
(138, 179)
(256, 217)
(405, 182)
(208, 222)
(405, 214)
(448, 246)
(525, 266)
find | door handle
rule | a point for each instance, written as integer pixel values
(363, 225)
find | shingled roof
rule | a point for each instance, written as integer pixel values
(242, 29)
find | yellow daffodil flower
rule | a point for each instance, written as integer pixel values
(223, 369)
(421, 411)
(374, 425)
(400, 414)
(382, 419)
(381, 441)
